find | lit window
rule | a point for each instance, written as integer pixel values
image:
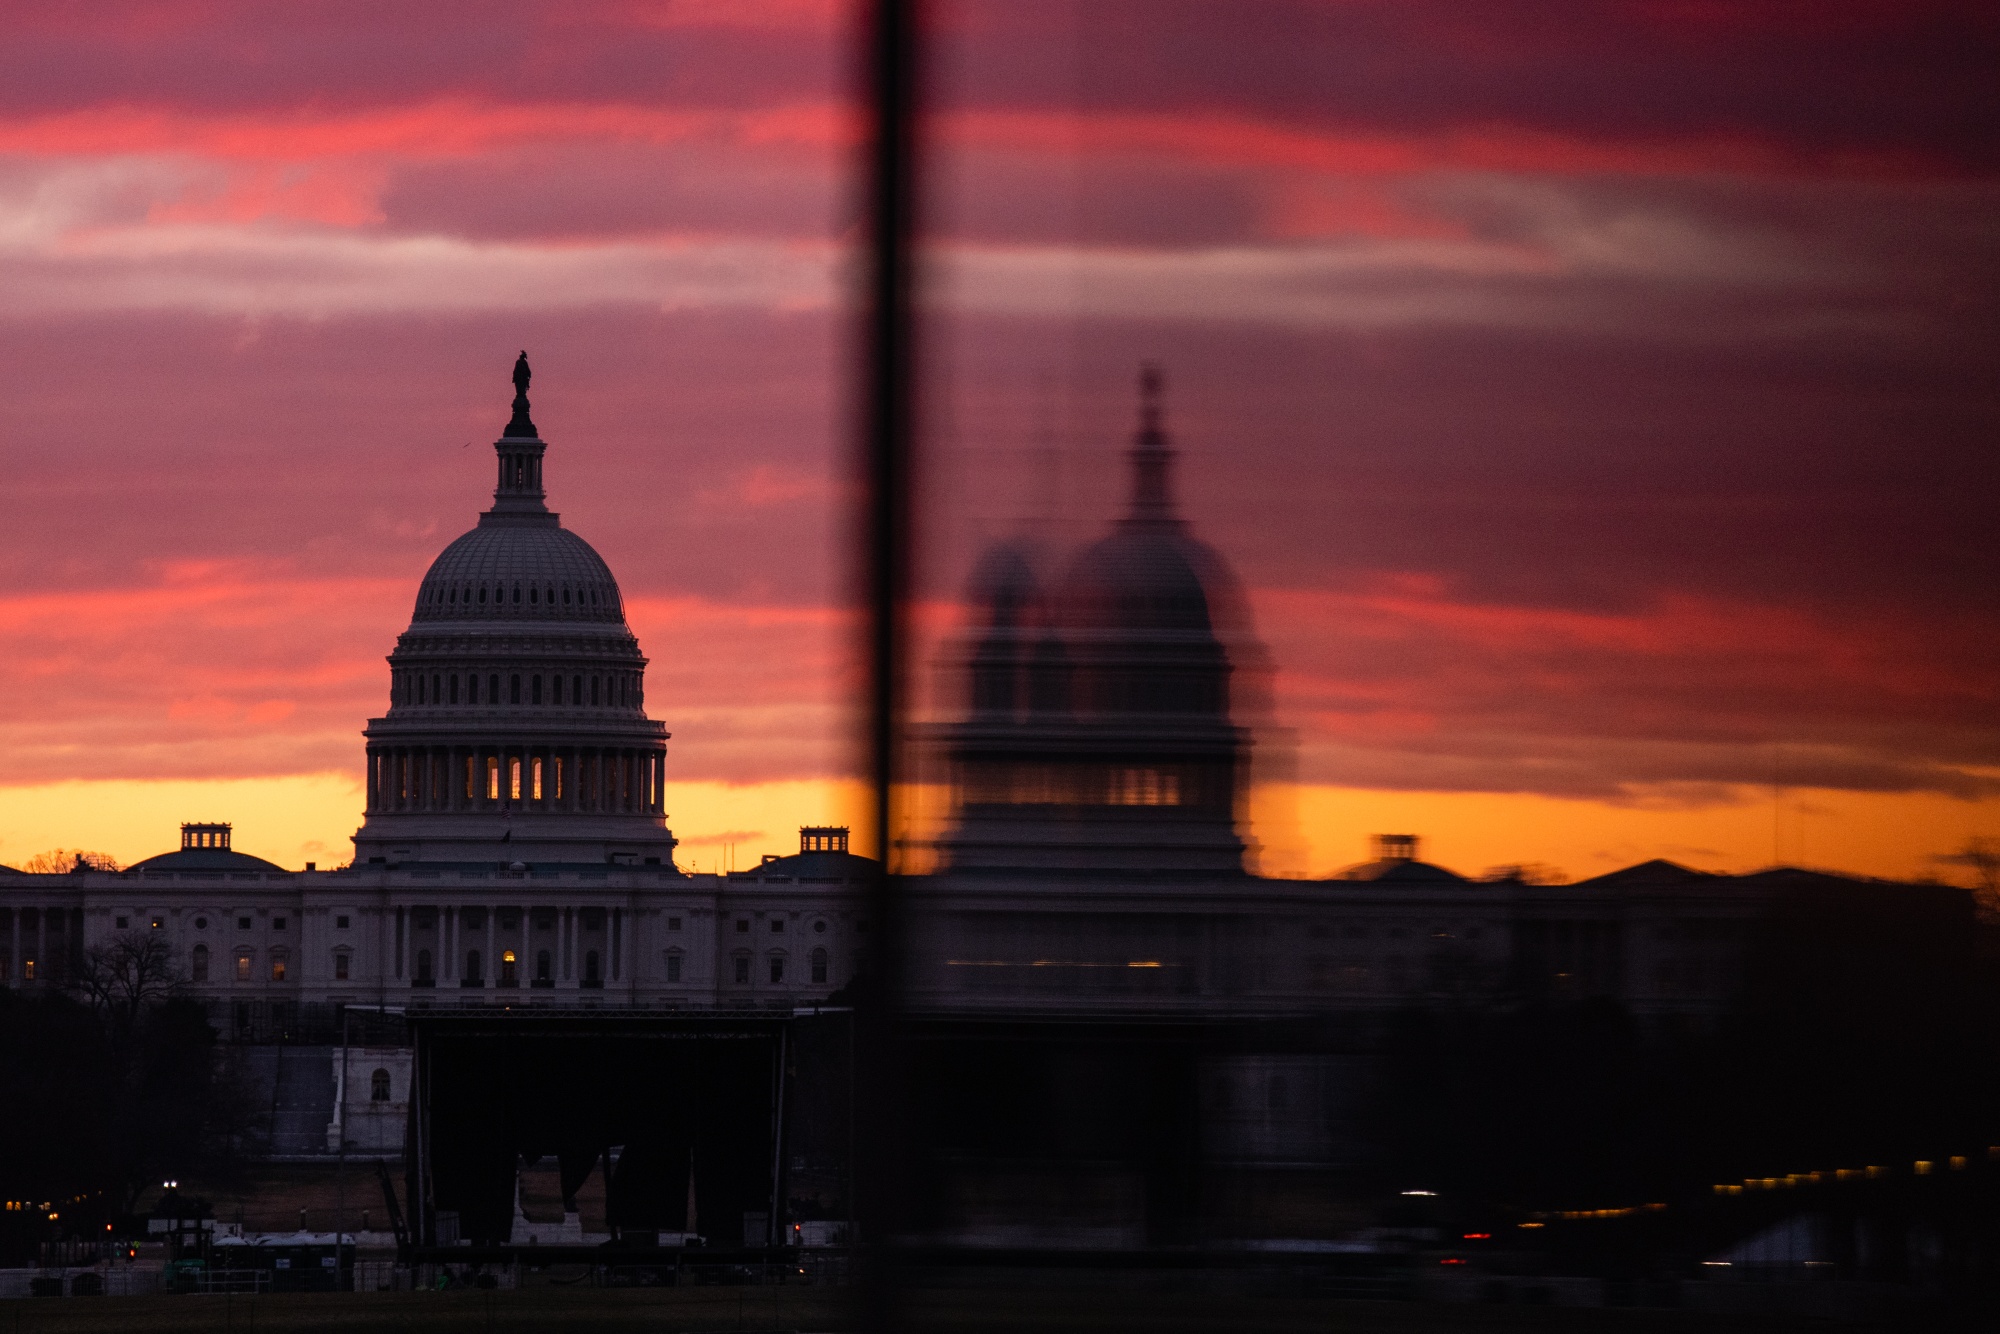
(243, 965)
(277, 967)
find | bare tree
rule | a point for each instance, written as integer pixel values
(127, 975)
(60, 861)
(1982, 857)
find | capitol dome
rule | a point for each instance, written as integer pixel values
(514, 572)
(516, 728)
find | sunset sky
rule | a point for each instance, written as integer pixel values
(1598, 401)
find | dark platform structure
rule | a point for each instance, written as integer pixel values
(676, 1093)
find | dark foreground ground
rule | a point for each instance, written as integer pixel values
(587, 1311)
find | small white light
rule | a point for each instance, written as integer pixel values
(1420, 1192)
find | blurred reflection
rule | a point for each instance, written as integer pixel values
(1098, 734)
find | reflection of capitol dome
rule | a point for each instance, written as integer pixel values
(516, 697)
(1099, 735)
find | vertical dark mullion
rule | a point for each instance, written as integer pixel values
(887, 402)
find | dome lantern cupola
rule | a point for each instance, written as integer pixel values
(519, 498)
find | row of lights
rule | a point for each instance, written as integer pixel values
(1579, 1215)
(1922, 1167)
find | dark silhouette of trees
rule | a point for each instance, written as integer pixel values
(111, 1086)
(61, 861)
(127, 975)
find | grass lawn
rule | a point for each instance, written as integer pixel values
(588, 1310)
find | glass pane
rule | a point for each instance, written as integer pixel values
(1451, 547)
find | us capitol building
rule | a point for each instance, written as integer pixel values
(515, 849)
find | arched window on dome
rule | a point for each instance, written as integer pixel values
(593, 597)
(437, 683)
(420, 688)
(472, 689)
(451, 595)
(532, 590)
(576, 690)
(555, 690)
(595, 689)
(482, 594)
(535, 688)
(517, 593)
(514, 687)
(454, 687)
(549, 595)
(565, 595)
(493, 688)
